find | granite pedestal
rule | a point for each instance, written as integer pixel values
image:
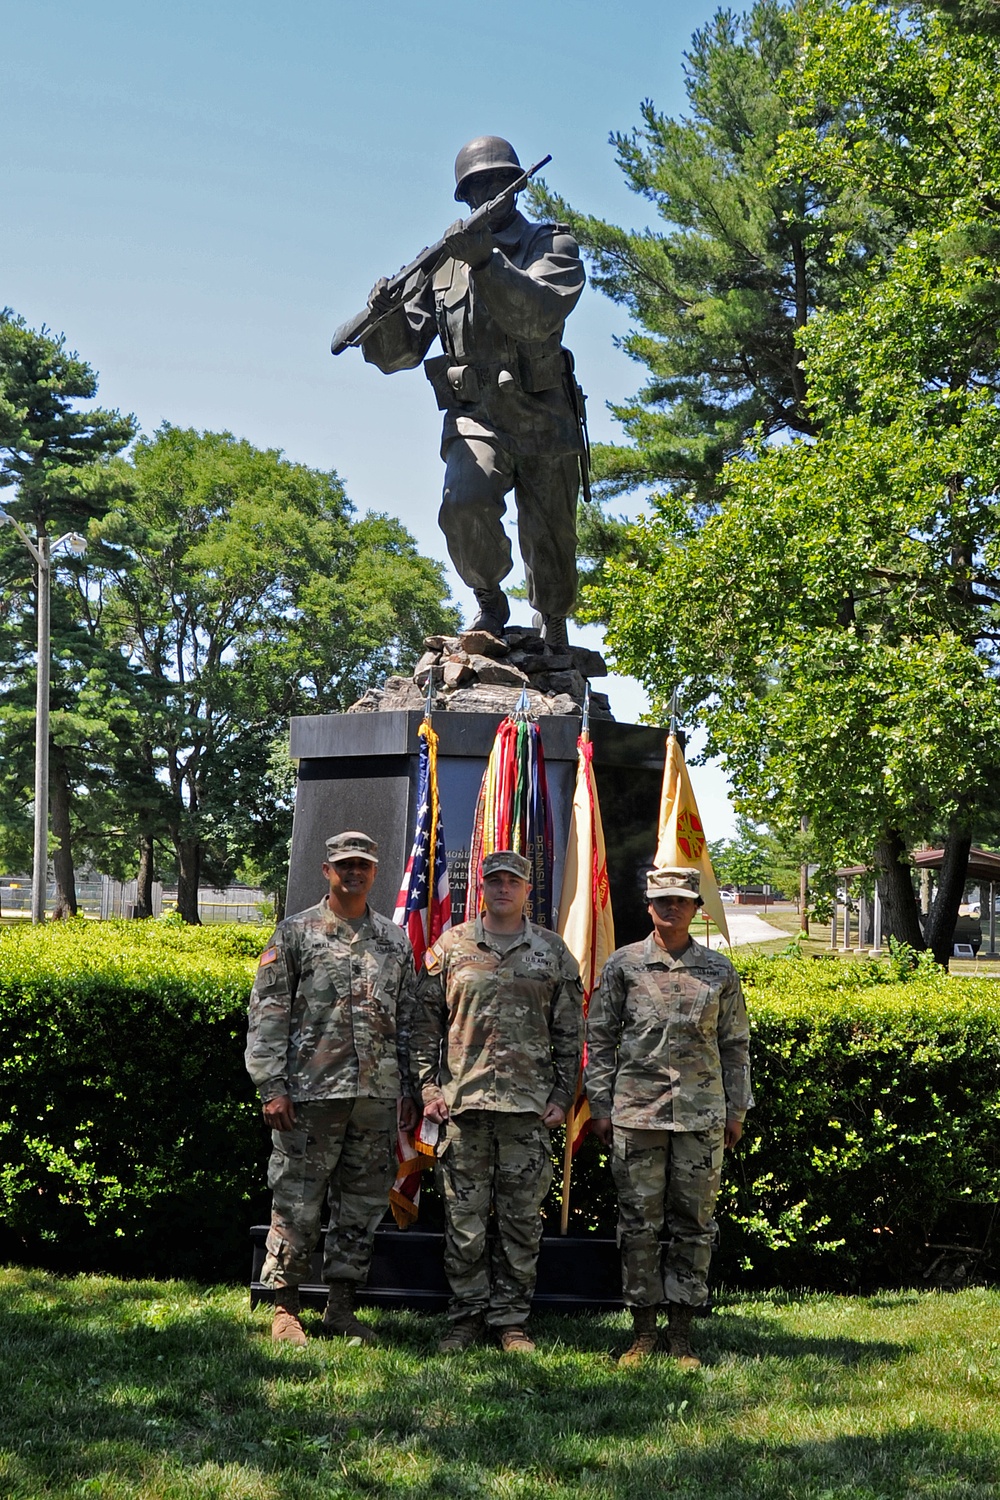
(360, 771)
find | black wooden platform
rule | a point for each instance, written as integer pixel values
(575, 1274)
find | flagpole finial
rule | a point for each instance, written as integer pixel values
(673, 712)
(523, 704)
(429, 701)
(585, 720)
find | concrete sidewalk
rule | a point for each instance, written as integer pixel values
(745, 927)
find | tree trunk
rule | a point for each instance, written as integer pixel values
(144, 878)
(188, 876)
(279, 904)
(62, 854)
(951, 885)
(899, 905)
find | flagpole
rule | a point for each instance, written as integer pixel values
(571, 1113)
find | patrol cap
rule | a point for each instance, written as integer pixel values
(487, 153)
(352, 845)
(673, 880)
(506, 859)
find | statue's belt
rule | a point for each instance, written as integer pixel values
(458, 382)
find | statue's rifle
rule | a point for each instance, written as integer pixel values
(489, 216)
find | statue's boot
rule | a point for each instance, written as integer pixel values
(553, 629)
(494, 612)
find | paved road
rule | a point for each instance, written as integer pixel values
(746, 927)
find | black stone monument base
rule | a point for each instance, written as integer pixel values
(575, 1274)
(360, 771)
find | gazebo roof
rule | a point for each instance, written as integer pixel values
(983, 864)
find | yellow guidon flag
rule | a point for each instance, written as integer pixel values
(681, 838)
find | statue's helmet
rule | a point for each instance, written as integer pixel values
(487, 153)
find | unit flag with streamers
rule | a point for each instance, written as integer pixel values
(512, 812)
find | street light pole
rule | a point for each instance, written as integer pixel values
(42, 553)
(40, 860)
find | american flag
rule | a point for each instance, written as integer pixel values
(423, 906)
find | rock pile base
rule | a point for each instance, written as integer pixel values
(476, 673)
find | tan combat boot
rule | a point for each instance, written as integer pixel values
(515, 1339)
(646, 1339)
(285, 1325)
(679, 1336)
(462, 1334)
(339, 1320)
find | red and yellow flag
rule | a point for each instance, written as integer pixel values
(586, 923)
(681, 838)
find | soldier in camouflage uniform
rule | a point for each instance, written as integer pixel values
(496, 1043)
(668, 1080)
(327, 1048)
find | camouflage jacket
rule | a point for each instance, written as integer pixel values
(498, 1029)
(668, 1040)
(506, 315)
(330, 1009)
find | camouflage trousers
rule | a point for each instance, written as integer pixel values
(670, 1176)
(503, 1160)
(342, 1151)
(478, 475)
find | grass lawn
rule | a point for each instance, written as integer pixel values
(159, 1389)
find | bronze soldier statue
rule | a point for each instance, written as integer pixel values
(497, 291)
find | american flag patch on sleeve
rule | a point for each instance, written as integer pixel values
(268, 956)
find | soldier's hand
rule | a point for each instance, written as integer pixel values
(408, 1114)
(603, 1130)
(280, 1113)
(475, 248)
(731, 1134)
(553, 1116)
(437, 1111)
(379, 299)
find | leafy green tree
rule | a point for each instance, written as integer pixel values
(741, 260)
(760, 856)
(741, 861)
(840, 620)
(55, 458)
(246, 590)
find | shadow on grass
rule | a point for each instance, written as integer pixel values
(120, 1382)
(717, 1337)
(913, 1461)
(757, 1337)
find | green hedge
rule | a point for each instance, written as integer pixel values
(875, 1131)
(130, 1138)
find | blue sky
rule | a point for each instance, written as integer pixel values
(197, 194)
